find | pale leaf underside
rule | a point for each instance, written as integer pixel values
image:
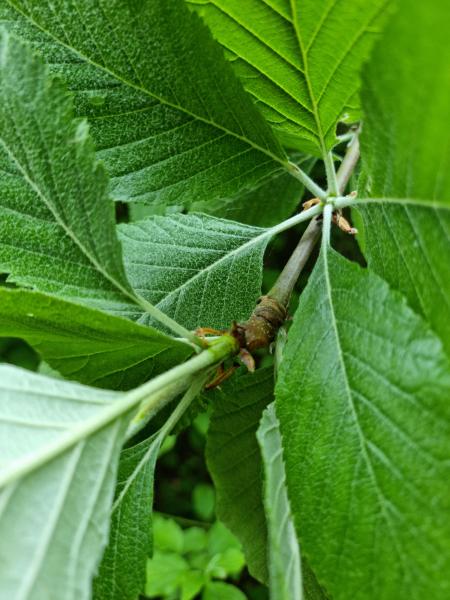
(199, 270)
(55, 497)
(284, 552)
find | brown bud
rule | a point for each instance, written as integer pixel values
(261, 328)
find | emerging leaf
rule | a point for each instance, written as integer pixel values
(362, 399)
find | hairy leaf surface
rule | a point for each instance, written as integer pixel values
(200, 270)
(57, 227)
(285, 574)
(59, 446)
(408, 156)
(362, 399)
(122, 571)
(299, 59)
(85, 344)
(234, 462)
(169, 118)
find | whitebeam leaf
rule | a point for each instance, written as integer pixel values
(121, 574)
(285, 569)
(57, 225)
(169, 118)
(199, 270)
(362, 400)
(234, 462)
(405, 244)
(88, 345)
(59, 447)
(300, 59)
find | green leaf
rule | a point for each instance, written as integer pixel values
(285, 574)
(192, 584)
(267, 204)
(215, 590)
(59, 449)
(57, 231)
(85, 344)
(200, 270)
(169, 118)
(407, 158)
(165, 574)
(362, 399)
(122, 572)
(300, 60)
(234, 462)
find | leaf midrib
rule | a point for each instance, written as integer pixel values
(284, 162)
(64, 226)
(351, 404)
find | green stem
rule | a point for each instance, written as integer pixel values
(147, 393)
(168, 321)
(285, 283)
(311, 185)
(333, 187)
(177, 380)
(348, 164)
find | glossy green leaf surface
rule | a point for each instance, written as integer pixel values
(299, 59)
(234, 462)
(59, 447)
(200, 270)
(362, 399)
(407, 155)
(285, 570)
(169, 118)
(85, 344)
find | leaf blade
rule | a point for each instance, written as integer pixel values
(174, 115)
(294, 60)
(370, 384)
(194, 267)
(233, 459)
(57, 475)
(88, 345)
(406, 245)
(284, 553)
